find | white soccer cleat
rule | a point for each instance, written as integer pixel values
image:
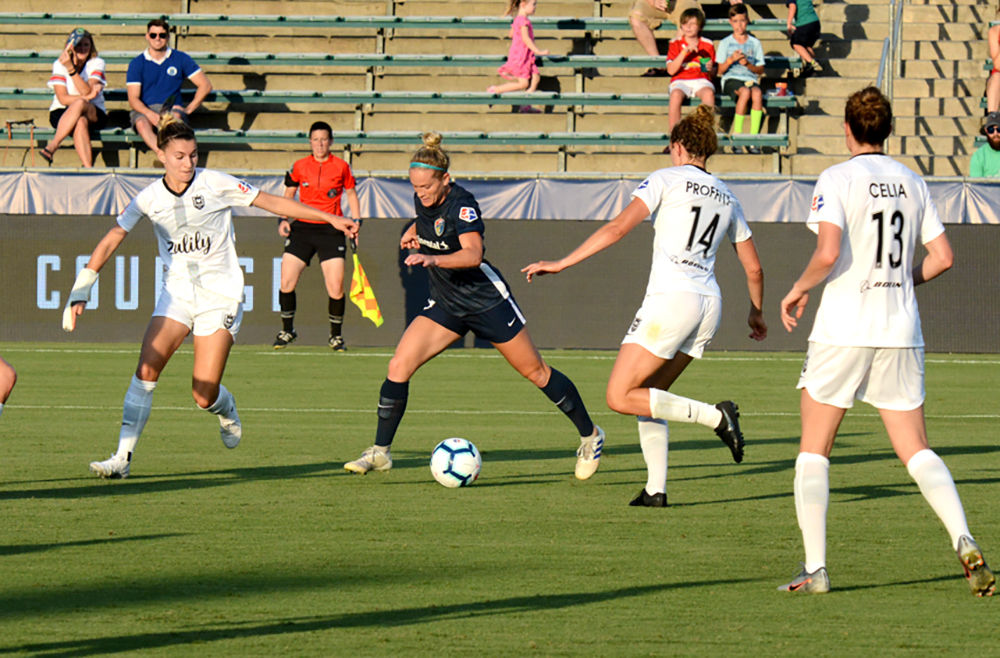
(231, 429)
(114, 468)
(375, 458)
(588, 455)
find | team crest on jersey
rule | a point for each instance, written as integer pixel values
(172, 71)
(331, 193)
(244, 187)
(439, 226)
(228, 322)
(817, 203)
(198, 201)
(468, 214)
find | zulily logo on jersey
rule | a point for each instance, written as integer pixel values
(190, 244)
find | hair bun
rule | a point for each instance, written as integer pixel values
(432, 139)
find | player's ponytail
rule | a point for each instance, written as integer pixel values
(868, 114)
(171, 128)
(431, 155)
(696, 132)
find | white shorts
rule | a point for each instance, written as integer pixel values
(691, 87)
(884, 377)
(680, 321)
(205, 314)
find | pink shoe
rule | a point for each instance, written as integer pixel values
(527, 109)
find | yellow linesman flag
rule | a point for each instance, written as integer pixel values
(363, 295)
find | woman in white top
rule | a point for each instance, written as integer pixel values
(692, 212)
(866, 342)
(202, 293)
(78, 106)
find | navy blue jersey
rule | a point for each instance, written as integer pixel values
(459, 291)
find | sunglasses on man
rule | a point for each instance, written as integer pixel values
(157, 35)
(992, 129)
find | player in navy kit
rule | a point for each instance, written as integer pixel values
(467, 294)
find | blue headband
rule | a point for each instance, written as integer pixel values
(424, 165)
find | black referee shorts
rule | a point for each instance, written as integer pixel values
(307, 239)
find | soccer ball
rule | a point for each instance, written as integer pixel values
(455, 462)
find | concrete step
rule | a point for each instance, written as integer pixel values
(934, 68)
(931, 88)
(951, 145)
(902, 125)
(944, 50)
(913, 31)
(950, 12)
(939, 107)
(814, 164)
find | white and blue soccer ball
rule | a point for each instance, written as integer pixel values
(456, 462)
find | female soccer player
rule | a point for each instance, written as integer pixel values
(866, 342)
(693, 210)
(467, 294)
(8, 377)
(191, 211)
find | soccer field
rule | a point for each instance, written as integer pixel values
(273, 549)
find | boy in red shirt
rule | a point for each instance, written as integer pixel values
(691, 64)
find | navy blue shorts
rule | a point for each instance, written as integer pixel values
(323, 240)
(497, 325)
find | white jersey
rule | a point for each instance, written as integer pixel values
(692, 210)
(195, 231)
(882, 208)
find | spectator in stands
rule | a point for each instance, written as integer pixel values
(521, 68)
(803, 32)
(154, 81)
(320, 179)
(78, 106)
(993, 82)
(648, 15)
(741, 60)
(8, 377)
(691, 64)
(985, 161)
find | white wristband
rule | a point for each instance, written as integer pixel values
(85, 280)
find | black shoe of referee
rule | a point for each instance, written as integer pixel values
(284, 338)
(649, 500)
(729, 429)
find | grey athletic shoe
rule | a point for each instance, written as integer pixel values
(588, 455)
(729, 429)
(817, 582)
(284, 338)
(981, 579)
(114, 468)
(375, 458)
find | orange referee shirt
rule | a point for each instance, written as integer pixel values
(320, 183)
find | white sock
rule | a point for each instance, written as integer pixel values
(812, 497)
(1, 408)
(938, 488)
(135, 413)
(653, 439)
(224, 405)
(667, 406)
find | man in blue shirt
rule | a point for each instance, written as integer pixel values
(154, 78)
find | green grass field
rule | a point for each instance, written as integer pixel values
(273, 549)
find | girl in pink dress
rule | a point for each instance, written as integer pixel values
(520, 69)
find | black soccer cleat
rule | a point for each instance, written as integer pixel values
(649, 500)
(284, 338)
(729, 429)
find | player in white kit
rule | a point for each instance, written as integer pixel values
(692, 212)
(866, 343)
(202, 293)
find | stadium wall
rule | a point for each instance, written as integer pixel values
(589, 306)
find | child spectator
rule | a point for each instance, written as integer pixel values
(521, 68)
(691, 64)
(803, 32)
(647, 15)
(741, 60)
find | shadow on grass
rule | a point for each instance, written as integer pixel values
(903, 583)
(368, 620)
(21, 549)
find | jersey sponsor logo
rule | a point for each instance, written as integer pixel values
(433, 244)
(891, 190)
(439, 226)
(198, 201)
(190, 244)
(172, 71)
(245, 187)
(817, 203)
(677, 260)
(868, 285)
(468, 214)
